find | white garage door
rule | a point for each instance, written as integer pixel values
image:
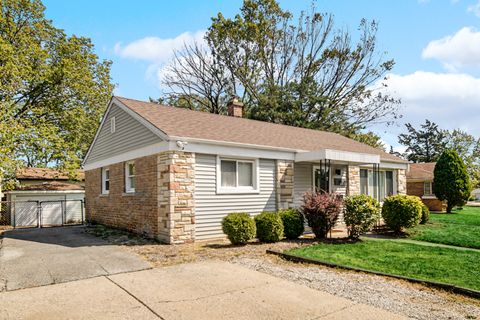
(26, 210)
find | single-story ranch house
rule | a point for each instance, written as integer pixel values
(173, 173)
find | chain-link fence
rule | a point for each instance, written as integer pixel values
(23, 214)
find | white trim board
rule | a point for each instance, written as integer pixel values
(129, 155)
(337, 155)
(25, 192)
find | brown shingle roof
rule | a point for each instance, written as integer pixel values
(52, 185)
(45, 174)
(421, 171)
(202, 125)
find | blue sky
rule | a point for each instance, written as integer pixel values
(436, 46)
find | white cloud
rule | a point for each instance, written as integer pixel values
(475, 9)
(157, 50)
(456, 51)
(451, 100)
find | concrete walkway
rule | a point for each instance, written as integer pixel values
(37, 257)
(207, 290)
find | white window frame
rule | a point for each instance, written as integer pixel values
(238, 189)
(431, 189)
(113, 127)
(370, 190)
(128, 186)
(104, 180)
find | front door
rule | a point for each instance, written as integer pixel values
(321, 179)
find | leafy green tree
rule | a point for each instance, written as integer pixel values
(468, 148)
(425, 144)
(303, 72)
(451, 181)
(53, 89)
(370, 138)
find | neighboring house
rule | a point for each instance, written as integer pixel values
(49, 191)
(420, 183)
(476, 194)
(173, 173)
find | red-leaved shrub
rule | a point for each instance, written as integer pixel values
(321, 211)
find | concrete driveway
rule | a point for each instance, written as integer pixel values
(206, 290)
(37, 257)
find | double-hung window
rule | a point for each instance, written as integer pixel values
(105, 180)
(237, 175)
(377, 185)
(427, 188)
(130, 177)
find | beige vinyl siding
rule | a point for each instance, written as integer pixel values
(129, 134)
(302, 181)
(210, 207)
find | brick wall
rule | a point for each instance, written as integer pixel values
(284, 186)
(416, 189)
(136, 212)
(162, 206)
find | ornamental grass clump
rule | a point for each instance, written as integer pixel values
(360, 214)
(321, 211)
(239, 227)
(269, 227)
(293, 223)
(401, 212)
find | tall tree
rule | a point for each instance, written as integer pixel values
(425, 144)
(451, 181)
(303, 73)
(53, 89)
(370, 138)
(468, 148)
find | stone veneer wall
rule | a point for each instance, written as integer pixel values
(176, 208)
(353, 180)
(284, 188)
(401, 181)
(137, 211)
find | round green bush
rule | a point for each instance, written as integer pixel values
(360, 214)
(425, 214)
(239, 227)
(402, 211)
(293, 223)
(269, 227)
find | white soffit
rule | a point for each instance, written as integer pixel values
(337, 155)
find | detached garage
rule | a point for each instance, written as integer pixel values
(47, 204)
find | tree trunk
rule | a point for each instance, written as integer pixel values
(449, 207)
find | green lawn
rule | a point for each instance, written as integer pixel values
(453, 266)
(461, 228)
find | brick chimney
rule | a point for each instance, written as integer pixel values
(235, 108)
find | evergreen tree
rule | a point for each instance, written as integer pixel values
(425, 144)
(451, 181)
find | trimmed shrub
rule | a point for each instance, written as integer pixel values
(402, 211)
(293, 223)
(425, 214)
(321, 211)
(360, 214)
(269, 227)
(239, 227)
